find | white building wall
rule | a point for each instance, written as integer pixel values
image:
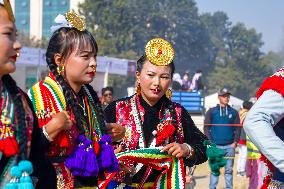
(36, 18)
(74, 4)
(19, 76)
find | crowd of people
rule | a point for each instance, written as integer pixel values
(187, 84)
(62, 135)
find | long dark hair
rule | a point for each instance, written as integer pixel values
(16, 97)
(64, 41)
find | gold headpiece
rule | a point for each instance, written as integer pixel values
(76, 21)
(159, 52)
(8, 7)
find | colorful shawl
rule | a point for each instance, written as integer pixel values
(172, 175)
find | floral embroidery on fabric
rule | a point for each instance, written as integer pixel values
(125, 115)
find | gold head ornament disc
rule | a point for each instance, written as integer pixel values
(76, 21)
(159, 52)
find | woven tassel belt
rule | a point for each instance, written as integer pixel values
(172, 175)
(274, 184)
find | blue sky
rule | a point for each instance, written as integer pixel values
(266, 16)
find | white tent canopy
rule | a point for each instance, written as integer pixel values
(212, 100)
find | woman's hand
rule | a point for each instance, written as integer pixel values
(118, 149)
(116, 131)
(59, 122)
(177, 150)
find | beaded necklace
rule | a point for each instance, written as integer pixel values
(162, 127)
(7, 125)
(94, 133)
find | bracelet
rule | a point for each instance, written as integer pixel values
(46, 134)
(190, 151)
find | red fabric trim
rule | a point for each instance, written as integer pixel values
(242, 142)
(274, 82)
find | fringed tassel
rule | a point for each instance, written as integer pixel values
(10, 146)
(21, 176)
(63, 140)
(83, 161)
(215, 156)
(107, 160)
(15, 173)
(25, 180)
(164, 133)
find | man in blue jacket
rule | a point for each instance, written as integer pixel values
(221, 127)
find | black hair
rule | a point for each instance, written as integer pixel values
(198, 71)
(64, 41)
(247, 104)
(141, 61)
(21, 130)
(107, 89)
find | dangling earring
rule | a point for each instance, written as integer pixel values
(138, 89)
(60, 69)
(169, 93)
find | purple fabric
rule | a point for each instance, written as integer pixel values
(83, 161)
(107, 160)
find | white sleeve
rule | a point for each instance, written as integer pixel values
(258, 125)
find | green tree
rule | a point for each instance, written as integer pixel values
(240, 68)
(274, 60)
(126, 25)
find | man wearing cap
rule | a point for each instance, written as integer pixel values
(220, 127)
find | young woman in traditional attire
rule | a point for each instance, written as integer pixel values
(68, 109)
(156, 132)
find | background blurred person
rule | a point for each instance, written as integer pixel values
(220, 128)
(177, 82)
(186, 82)
(197, 83)
(241, 162)
(107, 96)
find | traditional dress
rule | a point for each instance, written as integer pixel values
(14, 145)
(265, 126)
(47, 98)
(151, 127)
